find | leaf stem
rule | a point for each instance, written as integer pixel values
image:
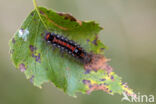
(36, 8)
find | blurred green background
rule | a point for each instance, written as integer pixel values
(129, 32)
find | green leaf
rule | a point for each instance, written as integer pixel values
(41, 63)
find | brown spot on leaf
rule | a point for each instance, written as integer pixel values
(70, 17)
(41, 12)
(42, 34)
(87, 72)
(102, 49)
(31, 79)
(32, 48)
(13, 41)
(67, 16)
(22, 67)
(34, 54)
(95, 40)
(32, 14)
(88, 40)
(37, 57)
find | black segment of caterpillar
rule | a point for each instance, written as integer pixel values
(69, 46)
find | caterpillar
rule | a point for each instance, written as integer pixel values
(69, 46)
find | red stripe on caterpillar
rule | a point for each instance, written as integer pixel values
(69, 46)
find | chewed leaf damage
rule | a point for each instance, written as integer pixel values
(99, 62)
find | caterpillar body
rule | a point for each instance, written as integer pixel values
(68, 46)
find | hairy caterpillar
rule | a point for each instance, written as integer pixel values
(68, 46)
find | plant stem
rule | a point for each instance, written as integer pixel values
(36, 8)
